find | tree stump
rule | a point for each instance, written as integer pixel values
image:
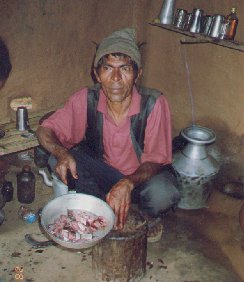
(121, 255)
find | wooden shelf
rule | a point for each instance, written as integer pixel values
(196, 38)
(13, 141)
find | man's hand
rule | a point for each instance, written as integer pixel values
(65, 162)
(119, 199)
(50, 142)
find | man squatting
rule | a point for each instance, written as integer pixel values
(115, 137)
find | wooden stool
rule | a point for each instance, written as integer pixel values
(121, 255)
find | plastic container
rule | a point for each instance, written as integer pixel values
(26, 185)
(27, 214)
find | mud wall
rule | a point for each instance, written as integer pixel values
(51, 47)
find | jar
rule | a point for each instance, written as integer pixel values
(195, 168)
(8, 191)
(26, 185)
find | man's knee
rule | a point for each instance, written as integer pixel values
(160, 194)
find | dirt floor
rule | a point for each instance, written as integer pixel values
(197, 246)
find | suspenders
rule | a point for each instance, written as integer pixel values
(94, 133)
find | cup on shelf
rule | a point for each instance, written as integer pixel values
(187, 22)
(196, 21)
(179, 18)
(216, 25)
(22, 121)
(206, 25)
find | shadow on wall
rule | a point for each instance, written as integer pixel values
(228, 150)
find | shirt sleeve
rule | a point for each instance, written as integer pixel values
(158, 138)
(69, 123)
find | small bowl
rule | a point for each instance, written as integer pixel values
(80, 201)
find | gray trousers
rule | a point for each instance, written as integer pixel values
(97, 178)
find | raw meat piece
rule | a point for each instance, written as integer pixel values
(77, 225)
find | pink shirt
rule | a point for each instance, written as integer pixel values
(69, 125)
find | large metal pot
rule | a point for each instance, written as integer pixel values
(195, 168)
(88, 203)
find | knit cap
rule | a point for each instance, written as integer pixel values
(121, 41)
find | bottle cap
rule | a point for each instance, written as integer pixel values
(233, 10)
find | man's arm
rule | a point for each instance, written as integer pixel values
(50, 142)
(119, 197)
(144, 172)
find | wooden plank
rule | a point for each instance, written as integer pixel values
(200, 38)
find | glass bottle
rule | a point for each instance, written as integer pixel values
(232, 21)
(26, 185)
(7, 191)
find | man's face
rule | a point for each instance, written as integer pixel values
(117, 78)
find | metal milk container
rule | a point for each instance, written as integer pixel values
(195, 168)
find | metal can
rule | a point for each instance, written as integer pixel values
(216, 26)
(206, 24)
(187, 21)
(223, 30)
(179, 18)
(167, 12)
(22, 121)
(196, 21)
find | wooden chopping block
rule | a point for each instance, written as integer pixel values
(121, 255)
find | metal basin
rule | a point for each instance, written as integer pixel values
(84, 202)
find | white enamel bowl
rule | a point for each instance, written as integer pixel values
(88, 203)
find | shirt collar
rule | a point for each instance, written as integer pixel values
(134, 106)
